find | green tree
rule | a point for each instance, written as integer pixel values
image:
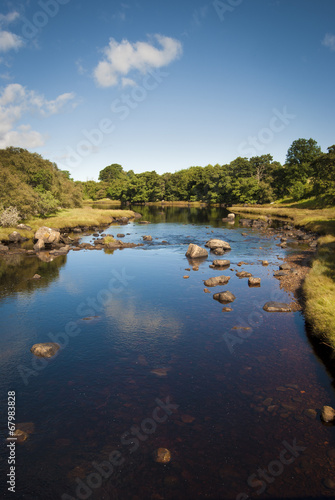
(111, 173)
(299, 158)
(324, 174)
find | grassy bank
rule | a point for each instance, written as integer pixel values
(86, 216)
(319, 292)
(319, 285)
(319, 220)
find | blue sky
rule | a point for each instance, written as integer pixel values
(156, 85)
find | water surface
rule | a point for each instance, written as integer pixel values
(137, 337)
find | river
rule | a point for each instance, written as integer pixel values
(149, 360)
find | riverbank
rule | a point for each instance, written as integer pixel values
(314, 284)
(70, 219)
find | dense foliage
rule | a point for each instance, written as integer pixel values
(259, 179)
(33, 185)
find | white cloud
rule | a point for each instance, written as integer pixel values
(15, 102)
(9, 18)
(128, 82)
(122, 58)
(8, 40)
(329, 41)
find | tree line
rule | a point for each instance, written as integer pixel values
(37, 187)
(306, 172)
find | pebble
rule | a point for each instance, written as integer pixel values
(329, 483)
(311, 413)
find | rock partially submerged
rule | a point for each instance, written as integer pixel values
(195, 252)
(276, 307)
(243, 274)
(45, 350)
(224, 297)
(221, 263)
(254, 281)
(147, 238)
(214, 243)
(47, 235)
(218, 280)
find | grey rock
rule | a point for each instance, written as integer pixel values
(214, 243)
(218, 280)
(221, 263)
(195, 252)
(47, 235)
(224, 297)
(15, 237)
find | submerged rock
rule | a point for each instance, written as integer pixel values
(162, 456)
(276, 307)
(224, 297)
(195, 252)
(218, 280)
(45, 350)
(328, 414)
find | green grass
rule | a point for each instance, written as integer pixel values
(86, 216)
(319, 292)
(103, 201)
(319, 220)
(109, 239)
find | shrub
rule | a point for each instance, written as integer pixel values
(10, 217)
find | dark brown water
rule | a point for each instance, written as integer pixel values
(157, 364)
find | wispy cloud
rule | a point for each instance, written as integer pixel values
(125, 57)
(9, 40)
(9, 18)
(329, 41)
(15, 102)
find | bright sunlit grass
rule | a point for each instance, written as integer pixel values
(86, 216)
